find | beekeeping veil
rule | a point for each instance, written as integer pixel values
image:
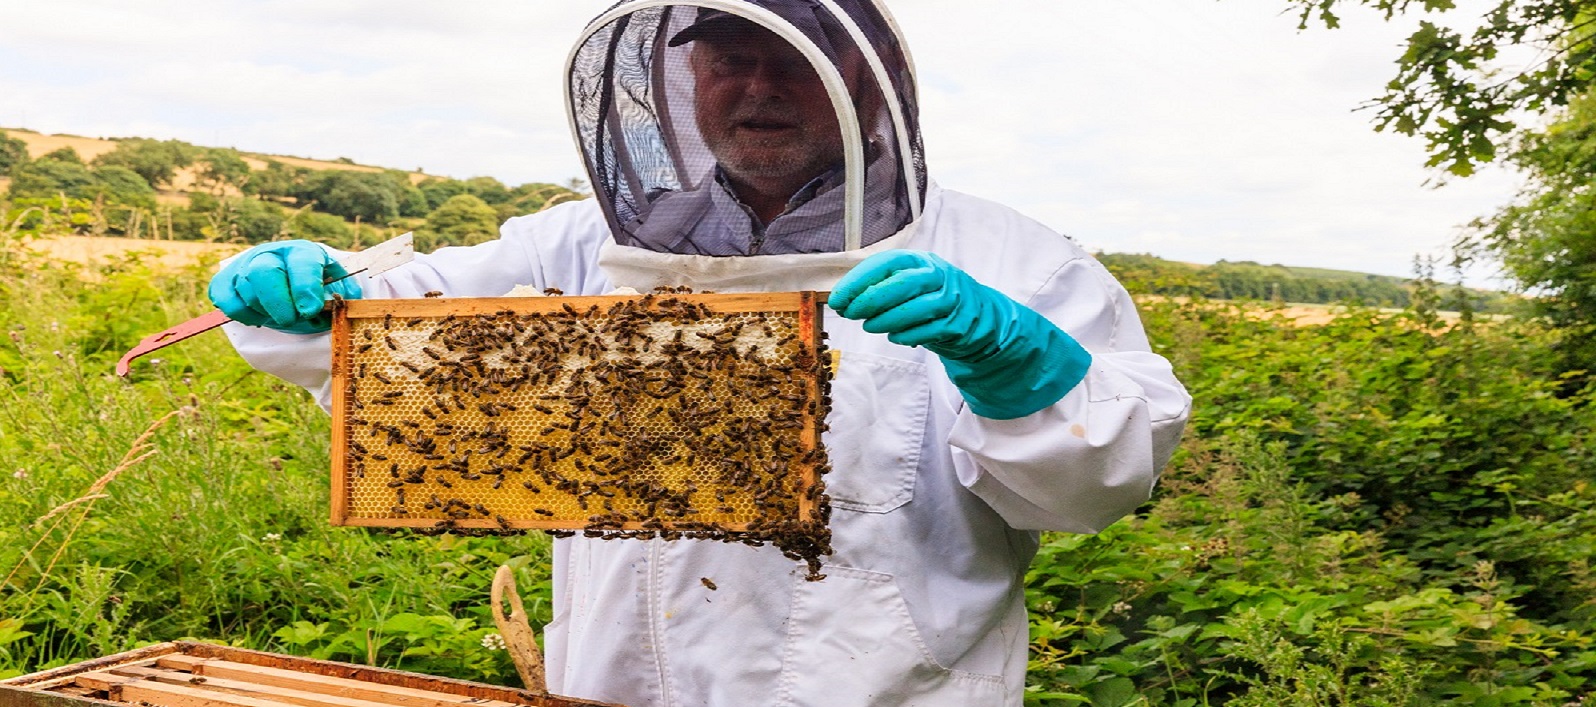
(632, 100)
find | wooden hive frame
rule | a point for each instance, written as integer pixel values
(188, 674)
(773, 337)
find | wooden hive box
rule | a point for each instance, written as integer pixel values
(186, 674)
(672, 414)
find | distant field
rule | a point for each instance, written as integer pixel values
(91, 249)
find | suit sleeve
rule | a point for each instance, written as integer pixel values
(1094, 456)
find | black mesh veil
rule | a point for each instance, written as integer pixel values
(635, 93)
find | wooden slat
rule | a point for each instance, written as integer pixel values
(100, 681)
(340, 401)
(341, 687)
(472, 306)
(248, 689)
(48, 678)
(809, 332)
(165, 695)
(475, 693)
(21, 697)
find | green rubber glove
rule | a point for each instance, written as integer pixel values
(1007, 360)
(279, 285)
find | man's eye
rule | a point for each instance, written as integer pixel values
(734, 65)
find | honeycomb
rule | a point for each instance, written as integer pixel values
(669, 414)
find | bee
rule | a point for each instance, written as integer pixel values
(433, 293)
(543, 511)
(377, 374)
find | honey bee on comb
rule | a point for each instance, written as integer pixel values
(671, 415)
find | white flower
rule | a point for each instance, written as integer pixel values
(271, 537)
(493, 641)
(1121, 607)
(19, 474)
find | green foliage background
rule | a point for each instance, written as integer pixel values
(1390, 509)
(1386, 510)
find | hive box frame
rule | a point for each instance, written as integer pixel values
(802, 307)
(190, 674)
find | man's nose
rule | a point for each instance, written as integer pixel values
(772, 76)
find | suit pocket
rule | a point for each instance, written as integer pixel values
(877, 426)
(851, 641)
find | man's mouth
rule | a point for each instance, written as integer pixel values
(765, 125)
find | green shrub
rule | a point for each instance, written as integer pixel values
(13, 152)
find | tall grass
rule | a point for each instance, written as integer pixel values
(191, 500)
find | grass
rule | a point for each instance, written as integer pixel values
(190, 501)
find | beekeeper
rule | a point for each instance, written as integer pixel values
(994, 380)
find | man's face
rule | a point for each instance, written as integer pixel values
(762, 110)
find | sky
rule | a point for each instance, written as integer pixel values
(1195, 130)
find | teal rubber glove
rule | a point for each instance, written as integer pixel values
(279, 285)
(1007, 360)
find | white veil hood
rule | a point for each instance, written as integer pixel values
(631, 101)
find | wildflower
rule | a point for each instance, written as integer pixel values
(271, 537)
(493, 641)
(1121, 607)
(19, 474)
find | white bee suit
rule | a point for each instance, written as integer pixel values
(935, 509)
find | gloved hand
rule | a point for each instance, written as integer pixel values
(279, 285)
(1007, 360)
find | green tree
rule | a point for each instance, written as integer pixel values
(49, 176)
(223, 167)
(462, 220)
(277, 181)
(488, 189)
(1546, 238)
(366, 196)
(157, 161)
(320, 227)
(13, 152)
(1455, 89)
(63, 154)
(533, 197)
(122, 186)
(438, 190)
(412, 202)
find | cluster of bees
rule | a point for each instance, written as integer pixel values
(649, 416)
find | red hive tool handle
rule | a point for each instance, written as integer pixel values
(197, 325)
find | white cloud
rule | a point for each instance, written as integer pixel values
(1199, 131)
